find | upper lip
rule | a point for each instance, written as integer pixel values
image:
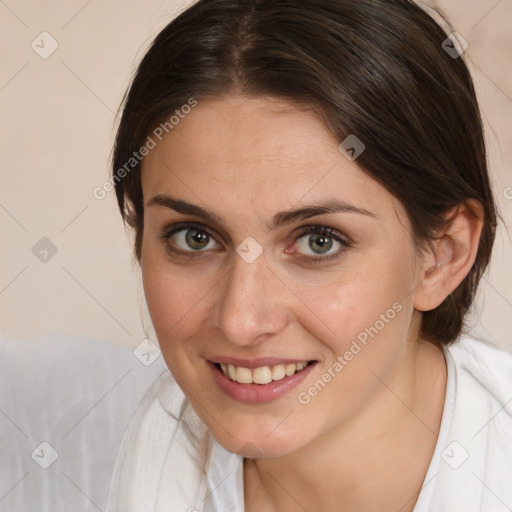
(257, 362)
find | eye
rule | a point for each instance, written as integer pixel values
(320, 243)
(188, 238)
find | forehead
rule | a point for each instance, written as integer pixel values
(265, 152)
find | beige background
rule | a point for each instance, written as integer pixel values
(58, 119)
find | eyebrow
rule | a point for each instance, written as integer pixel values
(279, 219)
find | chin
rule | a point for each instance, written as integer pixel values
(257, 446)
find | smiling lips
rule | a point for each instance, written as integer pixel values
(259, 381)
(262, 374)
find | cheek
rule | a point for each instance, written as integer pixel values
(173, 301)
(357, 304)
(368, 322)
(368, 314)
(177, 309)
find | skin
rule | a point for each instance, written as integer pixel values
(365, 441)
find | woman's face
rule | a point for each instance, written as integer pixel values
(264, 246)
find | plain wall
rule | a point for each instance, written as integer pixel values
(58, 123)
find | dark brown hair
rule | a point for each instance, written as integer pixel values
(373, 68)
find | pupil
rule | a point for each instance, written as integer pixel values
(322, 242)
(196, 239)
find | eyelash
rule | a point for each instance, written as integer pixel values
(323, 230)
(172, 229)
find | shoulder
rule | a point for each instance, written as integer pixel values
(484, 367)
(469, 346)
(483, 377)
(476, 452)
(161, 409)
(165, 442)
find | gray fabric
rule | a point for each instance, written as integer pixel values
(76, 394)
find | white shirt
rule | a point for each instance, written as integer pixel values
(169, 460)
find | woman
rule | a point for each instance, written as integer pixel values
(308, 188)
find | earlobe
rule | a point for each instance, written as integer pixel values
(453, 255)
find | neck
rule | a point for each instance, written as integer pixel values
(376, 461)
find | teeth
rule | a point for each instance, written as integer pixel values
(278, 372)
(290, 369)
(262, 375)
(243, 375)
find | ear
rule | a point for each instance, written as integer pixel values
(452, 257)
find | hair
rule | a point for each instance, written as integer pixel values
(373, 68)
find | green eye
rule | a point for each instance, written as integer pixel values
(320, 243)
(188, 238)
(196, 239)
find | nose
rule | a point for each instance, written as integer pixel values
(252, 303)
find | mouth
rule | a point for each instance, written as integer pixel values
(260, 384)
(263, 374)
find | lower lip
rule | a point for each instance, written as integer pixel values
(258, 393)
